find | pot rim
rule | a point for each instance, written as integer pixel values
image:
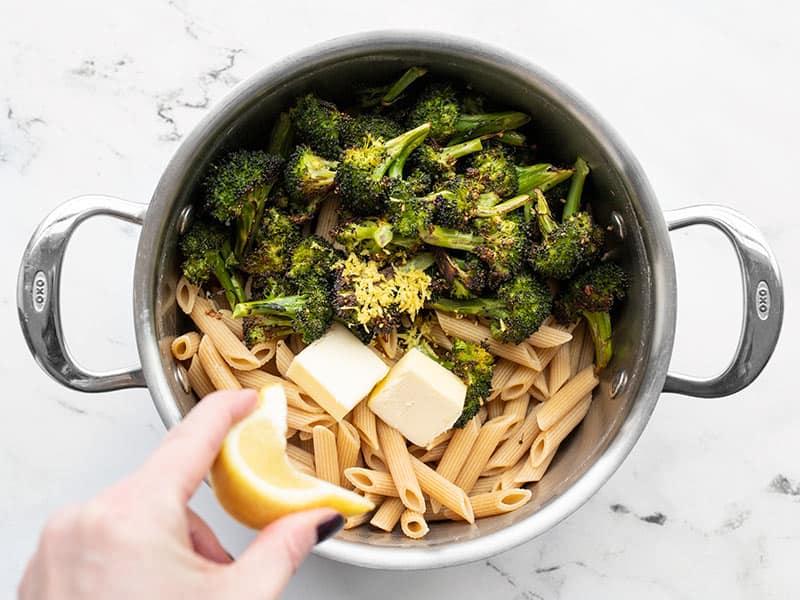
(658, 247)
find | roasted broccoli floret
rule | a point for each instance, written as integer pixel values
(566, 247)
(474, 365)
(365, 237)
(309, 178)
(442, 162)
(312, 257)
(370, 300)
(273, 245)
(308, 313)
(207, 251)
(361, 176)
(236, 192)
(496, 170)
(438, 104)
(355, 130)
(386, 95)
(465, 277)
(317, 123)
(519, 309)
(592, 295)
(500, 242)
(543, 176)
(280, 138)
(409, 216)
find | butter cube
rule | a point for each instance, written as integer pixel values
(419, 398)
(337, 371)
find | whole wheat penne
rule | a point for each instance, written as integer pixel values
(576, 347)
(328, 218)
(304, 435)
(547, 337)
(305, 422)
(439, 337)
(364, 421)
(457, 452)
(567, 397)
(264, 351)
(283, 357)
(548, 440)
(495, 408)
(519, 383)
(296, 344)
(326, 456)
(215, 366)
(371, 481)
(388, 514)
(198, 380)
(231, 348)
(587, 352)
(185, 294)
(540, 385)
(517, 445)
(235, 325)
(348, 444)
(559, 371)
(185, 346)
(440, 489)
(413, 525)
(503, 369)
(257, 379)
(397, 458)
(528, 473)
(516, 410)
(465, 329)
(300, 456)
(495, 503)
(485, 445)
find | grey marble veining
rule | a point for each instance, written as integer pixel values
(96, 97)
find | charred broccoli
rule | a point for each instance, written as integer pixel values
(309, 178)
(474, 364)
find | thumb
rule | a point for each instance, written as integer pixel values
(271, 560)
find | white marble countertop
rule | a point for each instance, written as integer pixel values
(96, 97)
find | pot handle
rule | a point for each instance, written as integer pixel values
(38, 293)
(763, 301)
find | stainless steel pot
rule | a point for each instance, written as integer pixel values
(567, 126)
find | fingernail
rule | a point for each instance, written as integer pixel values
(329, 528)
(230, 556)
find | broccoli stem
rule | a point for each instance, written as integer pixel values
(454, 239)
(478, 306)
(543, 176)
(547, 224)
(573, 204)
(380, 234)
(398, 150)
(399, 86)
(286, 306)
(280, 137)
(503, 207)
(456, 151)
(470, 126)
(600, 327)
(234, 290)
(512, 138)
(248, 221)
(420, 262)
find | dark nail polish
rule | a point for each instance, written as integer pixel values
(329, 528)
(230, 556)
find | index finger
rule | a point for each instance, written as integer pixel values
(189, 449)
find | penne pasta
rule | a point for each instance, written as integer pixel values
(283, 357)
(348, 446)
(518, 383)
(439, 337)
(235, 325)
(303, 468)
(487, 484)
(215, 366)
(373, 458)
(559, 371)
(495, 408)
(467, 330)
(257, 379)
(365, 422)
(528, 473)
(413, 525)
(388, 514)
(305, 422)
(185, 294)
(495, 503)
(547, 441)
(264, 351)
(507, 479)
(556, 408)
(485, 445)
(373, 482)
(433, 455)
(548, 337)
(517, 444)
(185, 346)
(540, 385)
(326, 456)
(328, 218)
(445, 492)
(576, 347)
(587, 351)
(356, 520)
(397, 458)
(388, 343)
(231, 348)
(198, 380)
(456, 453)
(516, 410)
(298, 455)
(503, 369)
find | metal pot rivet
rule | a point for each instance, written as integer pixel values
(183, 378)
(185, 218)
(617, 224)
(618, 383)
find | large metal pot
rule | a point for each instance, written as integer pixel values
(644, 334)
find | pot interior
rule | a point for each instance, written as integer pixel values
(559, 127)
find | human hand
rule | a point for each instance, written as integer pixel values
(138, 539)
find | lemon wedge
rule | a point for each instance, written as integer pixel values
(254, 480)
